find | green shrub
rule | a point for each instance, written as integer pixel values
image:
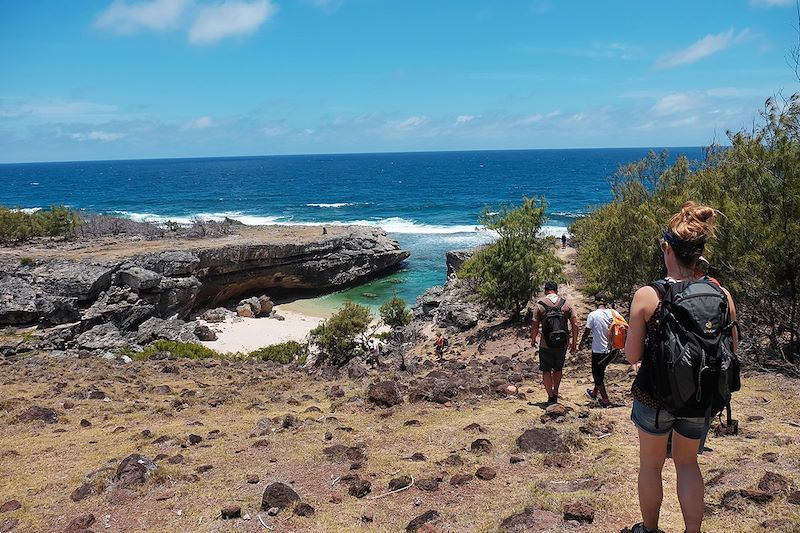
(283, 353)
(342, 336)
(510, 271)
(17, 225)
(395, 314)
(755, 185)
(188, 350)
(26, 261)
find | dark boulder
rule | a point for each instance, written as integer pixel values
(579, 511)
(530, 520)
(542, 440)
(384, 394)
(43, 414)
(278, 495)
(424, 518)
(134, 470)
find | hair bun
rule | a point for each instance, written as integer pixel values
(693, 222)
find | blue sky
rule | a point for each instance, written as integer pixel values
(100, 79)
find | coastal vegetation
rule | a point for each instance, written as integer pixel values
(509, 272)
(18, 225)
(394, 313)
(755, 185)
(283, 353)
(342, 337)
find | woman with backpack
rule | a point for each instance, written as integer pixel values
(654, 411)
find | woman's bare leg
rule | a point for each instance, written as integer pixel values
(690, 481)
(652, 454)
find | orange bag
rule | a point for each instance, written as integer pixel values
(617, 332)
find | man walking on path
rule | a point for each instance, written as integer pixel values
(598, 323)
(552, 313)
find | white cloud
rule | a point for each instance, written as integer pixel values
(97, 135)
(772, 3)
(157, 15)
(200, 123)
(229, 19)
(464, 119)
(410, 123)
(675, 103)
(705, 47)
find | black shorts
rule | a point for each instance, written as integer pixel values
(551, 358)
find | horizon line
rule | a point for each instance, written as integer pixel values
(389, 152)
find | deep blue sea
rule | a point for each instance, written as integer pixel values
(429, 201)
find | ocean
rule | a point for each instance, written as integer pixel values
(429, 201)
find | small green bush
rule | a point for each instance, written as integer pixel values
(342, 337)
(188, 350)
(26, 261)
(395, 314)
(283, 353)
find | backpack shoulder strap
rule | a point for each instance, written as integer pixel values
(561, 302)
(661, 286)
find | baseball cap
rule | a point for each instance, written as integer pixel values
(551, 286)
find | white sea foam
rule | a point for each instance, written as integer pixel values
(28, 210)
(188, 219)
(334, 206)
(390, 225)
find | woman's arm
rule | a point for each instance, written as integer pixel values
(644, 303)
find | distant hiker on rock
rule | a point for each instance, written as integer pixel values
(440, 344)
(678, 326)
(552, 313)
(598, 324)
(374, 351)
(563, 240)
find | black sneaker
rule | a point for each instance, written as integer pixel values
(552, 399)
(639, 528)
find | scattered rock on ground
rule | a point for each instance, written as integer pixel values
(580, 511)
(542, 440)
(278, 495)
(384, 394)
(424, 518)
(231, 511)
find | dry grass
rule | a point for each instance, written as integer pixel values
(55, 459)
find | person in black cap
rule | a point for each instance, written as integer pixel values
(552, 313)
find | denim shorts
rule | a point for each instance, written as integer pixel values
(644, 418)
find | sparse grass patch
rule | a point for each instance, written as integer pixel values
(283, 353)
(26, 261)
(188, 350)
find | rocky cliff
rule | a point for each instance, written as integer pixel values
(125, 282)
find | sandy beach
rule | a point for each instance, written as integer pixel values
(241, 334)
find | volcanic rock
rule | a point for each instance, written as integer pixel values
(424, 518)
(278, 495)
(531, 520)
(384, 394)
(542, 440)
(580, 511)
(231, 511)
(486, 473)
(44, 414)
(134, 470)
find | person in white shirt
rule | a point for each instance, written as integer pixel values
(597, 324)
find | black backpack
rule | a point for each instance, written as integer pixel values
(554, 327)
(695, 368)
